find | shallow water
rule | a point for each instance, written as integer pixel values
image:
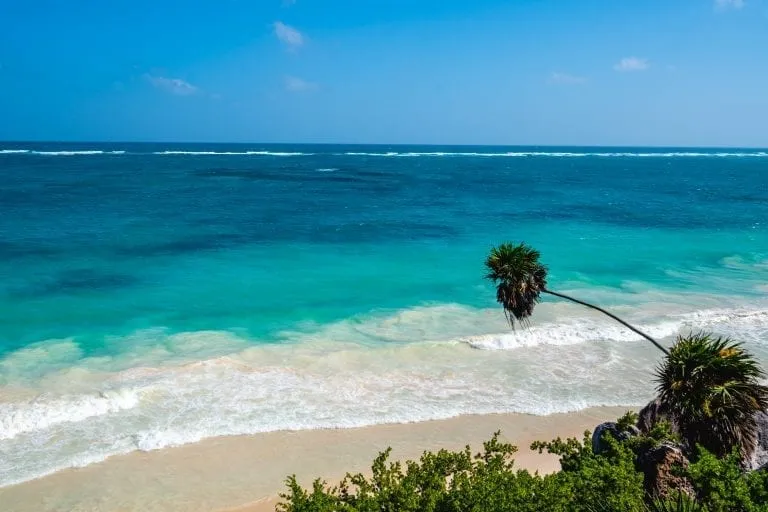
(155, 295)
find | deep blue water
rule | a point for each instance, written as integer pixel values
(121, 258)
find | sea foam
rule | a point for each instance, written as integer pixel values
(384, 367)
(411, 154)
(561, 154)
(59, 153)
(242, 153)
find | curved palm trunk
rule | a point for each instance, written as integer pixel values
(622, 322)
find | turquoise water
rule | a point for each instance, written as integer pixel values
(155, 295)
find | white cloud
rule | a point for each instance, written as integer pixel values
(295, 84)
(564, 78)
(729, 4)
(173, 85)
(632, 64)
(288, 35)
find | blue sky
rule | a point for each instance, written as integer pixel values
(632, 72)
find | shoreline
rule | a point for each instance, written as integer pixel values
(246, 473)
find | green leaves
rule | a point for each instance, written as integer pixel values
(489, 482)
(712, 387)
(486, 482)
(519, 278)
(723, 486)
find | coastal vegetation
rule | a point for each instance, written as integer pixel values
(701, 445)
(609, 481)
(710, 388)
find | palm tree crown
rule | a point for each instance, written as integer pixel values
(519, 277)
(713, 387)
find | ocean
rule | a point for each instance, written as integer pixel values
(153, 295)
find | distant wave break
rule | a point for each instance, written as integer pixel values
(390, 154)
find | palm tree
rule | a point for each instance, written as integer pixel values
(520, 279)
(712, 386)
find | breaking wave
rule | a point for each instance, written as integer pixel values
(241, 153)
(411, 365)
(428, 154)
(757, 154)
(58, 153)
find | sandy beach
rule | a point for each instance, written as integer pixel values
(246, 473)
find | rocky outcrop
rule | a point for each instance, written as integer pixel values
(653, 413)
(662, 468)
(759, 459)
(612, 429)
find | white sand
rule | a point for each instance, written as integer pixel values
(246, 473)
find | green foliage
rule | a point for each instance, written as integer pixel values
(519, 278)
(680, 503)
(609, 479)
(723, 486)
(486, 482)
(713, 387)
(441, 482)
(661, 432)
(489, 482)
(628, 421)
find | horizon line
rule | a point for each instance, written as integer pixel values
(404, 144)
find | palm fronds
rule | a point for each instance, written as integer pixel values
(519, 278)
(712, 385)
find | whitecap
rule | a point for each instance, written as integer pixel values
(160, 389)
(41, 413)
(76, 153)
(562, 154)
(232, 153)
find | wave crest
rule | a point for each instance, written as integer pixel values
(40, 414)
(560, 154)
(59, 153)
(389, 367)
(240, 153)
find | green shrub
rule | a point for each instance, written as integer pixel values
(609, 480)
(489, 482)
(723, 486)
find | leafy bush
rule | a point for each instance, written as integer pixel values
(724, 487)
(609, 479)
(449, 481)
(486, 482)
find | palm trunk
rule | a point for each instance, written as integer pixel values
(622, 322)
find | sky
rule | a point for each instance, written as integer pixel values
(588, 72)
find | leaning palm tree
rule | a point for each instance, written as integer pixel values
(520, 280)
(713, 388)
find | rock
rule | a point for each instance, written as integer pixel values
(660, 467)
(759, 458)
(599, 446)
(653, 413)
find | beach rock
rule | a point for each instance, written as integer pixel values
(599, 445)
(759, 459)
(661, 469)
(653, 413)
